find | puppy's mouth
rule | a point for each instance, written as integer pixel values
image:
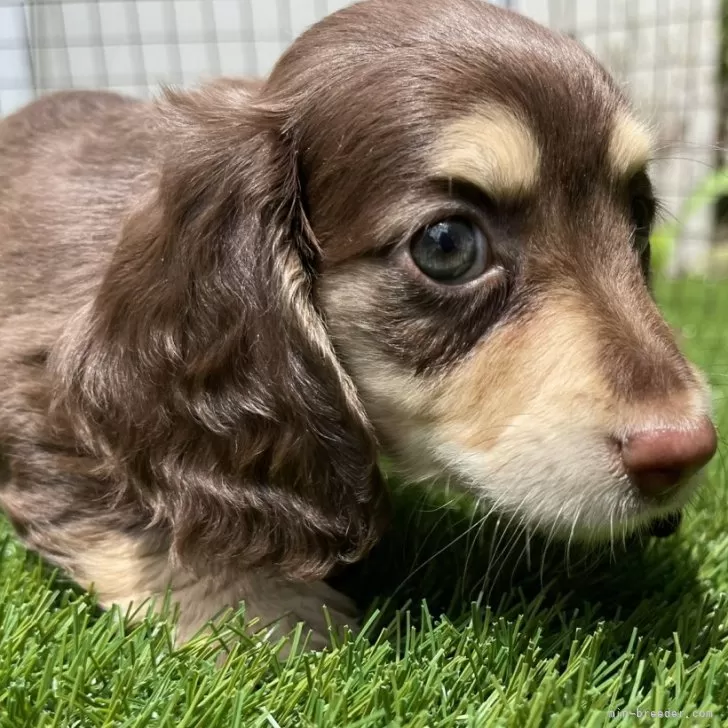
(665, 526)
(584, 487)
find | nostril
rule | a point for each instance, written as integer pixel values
(654, 483)
(657, 460)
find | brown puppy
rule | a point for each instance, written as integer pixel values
(427, 230)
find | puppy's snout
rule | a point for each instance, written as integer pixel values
(657, 460)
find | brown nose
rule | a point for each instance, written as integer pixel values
(657, 460)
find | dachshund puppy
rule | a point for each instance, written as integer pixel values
(425, 234)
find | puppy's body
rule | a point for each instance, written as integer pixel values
(213, 308)
(75, 165)
(72, 166)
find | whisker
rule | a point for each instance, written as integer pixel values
(571, 533)
(440, 551)
(701, 162)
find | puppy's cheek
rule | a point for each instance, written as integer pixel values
(505, 422)
(564, 485)
(527, 421)
(398, 402)
(400, 406)
(524, 425)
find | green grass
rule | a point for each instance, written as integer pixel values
(477, 631)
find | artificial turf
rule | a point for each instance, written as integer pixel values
(478, 630)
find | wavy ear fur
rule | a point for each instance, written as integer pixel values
(202, 376)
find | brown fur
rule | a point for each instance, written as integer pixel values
(208, 317)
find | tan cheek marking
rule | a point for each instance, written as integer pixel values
(549, 370)
(542, 359)
(546, 367)
(630, 146)
(492, 149)
(396, 400)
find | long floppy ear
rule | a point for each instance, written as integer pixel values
(202, 375)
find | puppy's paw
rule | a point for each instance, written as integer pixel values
(325, 613)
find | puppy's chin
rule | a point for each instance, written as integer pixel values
(666, 526)
(565, 486)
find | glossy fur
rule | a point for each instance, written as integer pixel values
(209, 322)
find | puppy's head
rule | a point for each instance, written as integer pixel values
(479, 187)
(428, 228)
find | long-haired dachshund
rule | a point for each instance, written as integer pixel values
(425, 234)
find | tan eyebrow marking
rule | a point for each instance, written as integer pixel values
(491, 148)
(630, 145)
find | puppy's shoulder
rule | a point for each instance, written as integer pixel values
(62, 109)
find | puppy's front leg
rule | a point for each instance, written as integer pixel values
(273, 606)
(137, 572)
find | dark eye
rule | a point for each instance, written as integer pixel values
(643, 211)
(450, 251)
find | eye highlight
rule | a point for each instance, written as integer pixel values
(451, 251)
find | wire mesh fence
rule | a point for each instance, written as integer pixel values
(668, 52)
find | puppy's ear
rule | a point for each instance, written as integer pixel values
(202, 374)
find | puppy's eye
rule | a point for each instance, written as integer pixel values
(643, 211)
(450, 251)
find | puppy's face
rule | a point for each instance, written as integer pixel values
(482, 200)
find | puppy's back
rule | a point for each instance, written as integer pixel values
(71, 165)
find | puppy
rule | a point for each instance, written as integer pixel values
(426, 233)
